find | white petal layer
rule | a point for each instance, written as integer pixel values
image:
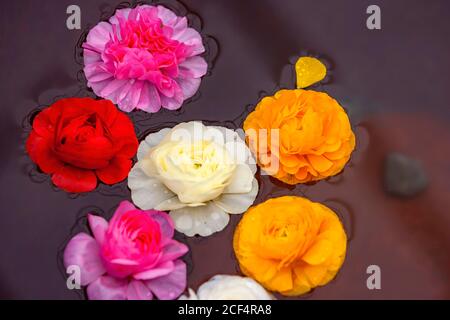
(224, 287)
(152, 140)
(192, 296)
(170, 204)
(147, 193)
(204, 220)
(236, 203)
(241, 181)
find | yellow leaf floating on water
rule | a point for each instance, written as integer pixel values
(309, 71)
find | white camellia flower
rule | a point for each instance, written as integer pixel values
(201, 174)
(223, 287)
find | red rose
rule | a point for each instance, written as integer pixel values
(78, 140)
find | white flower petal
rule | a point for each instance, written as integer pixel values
(146, 193)
(151, 141)
(237, 148)
(187, 132)
(236, 203)
(241, 181)
(225, 287)
(170, 204)
(203, 220)
(191, 296)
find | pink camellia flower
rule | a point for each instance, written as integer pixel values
(144, 58)
(133, 257)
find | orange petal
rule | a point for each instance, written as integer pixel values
(319, 163)
(318, 253)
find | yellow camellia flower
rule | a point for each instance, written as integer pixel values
(200, 174)
(290, 244)
(315, 138)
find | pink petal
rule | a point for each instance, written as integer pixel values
(124, 262)
(108, 288)
(98, 86)
(93, 70)
(170, 103)
(99, 35)
(173, 250)
(123, 97)
(149, 100)
(122, 12)
(166, 15)
(156, 272)
(175, 102)
(165, 222)
(179, 25)
(100, 76)
(91, 57)
(196, 67)
(83, 251)
(112, 87)
(123, 208)
(191, 37)
(189, 86)
(138, 291)
(136, 93)
(130, 96)
(171, 286)
(98, 227)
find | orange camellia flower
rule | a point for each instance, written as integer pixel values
(300, 136)
(290, 245)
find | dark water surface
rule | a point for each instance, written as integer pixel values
(394, 83)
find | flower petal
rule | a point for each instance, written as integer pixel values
(241, 181)
(195, 66)
(99, 36)
(192, 296)
(75, 180)
(165, 223)
(124, 207)
(171, 103)
(236, 203)
(40, 151)
(319, 163)
(162, 269)
(116, 171)
(170, 204)
(151, 141)
(83, 251)
(191, 38)
(137, 290)
(108, 288)
(226, 287)
(149, 100)
(167, 16)
(147, 193)
(174, 250)
(171, 286)
(98, 227)
(204, 220)
(189, 86)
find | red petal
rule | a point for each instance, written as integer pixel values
(107, 111)
(117, 170)
(40, 151)
(75, 180)
(74, 107)
(44, 123)
(123, 134)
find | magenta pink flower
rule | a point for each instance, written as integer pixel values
(144, 58)
(132, 258)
